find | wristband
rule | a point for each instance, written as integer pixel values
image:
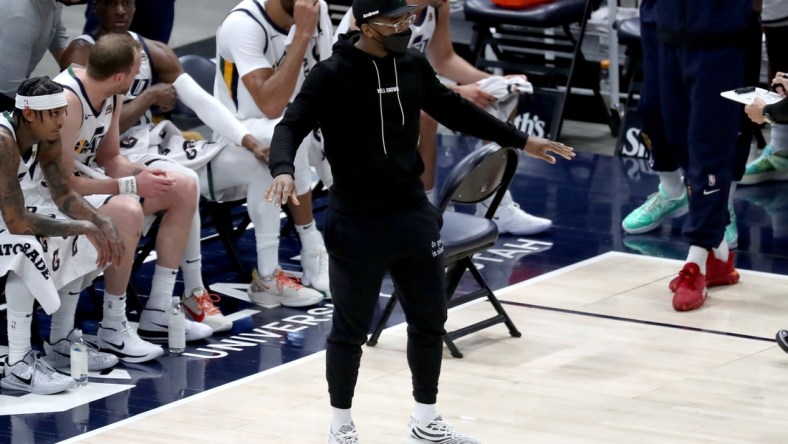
(127, 185)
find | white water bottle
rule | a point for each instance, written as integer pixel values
(79, 359)
(177, 330)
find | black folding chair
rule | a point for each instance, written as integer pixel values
(483, 173)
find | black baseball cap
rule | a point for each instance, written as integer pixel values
(364, 10)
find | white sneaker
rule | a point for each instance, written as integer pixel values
(436, 431)
(513, 220)
(58, 355)
(315, 265)
(33, 375)
(280, 288)
(201, 308)
(345, 435)
(154, 326)
(121, 340)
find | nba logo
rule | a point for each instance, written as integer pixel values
(712, 180)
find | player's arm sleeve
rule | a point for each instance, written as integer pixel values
(209, 109)
(301, 117)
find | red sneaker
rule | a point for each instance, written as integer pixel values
(690, 288)
(717, 272)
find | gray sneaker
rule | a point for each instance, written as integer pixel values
(58, 355)
(31, 374)
(345, 435)
(437, 431)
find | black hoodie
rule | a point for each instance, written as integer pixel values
(368, 108)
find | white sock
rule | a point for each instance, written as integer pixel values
(698, 255)
(114, 307)
(722, 251)
(672, 183)
(424, 413)
(311, 240)
(19, 317)
(265, 216)
(63, 318)
(267, 253)
(339, 417)
(192, 275)
(161, 288)
(430, 195)
(191, 264)
(19, 323)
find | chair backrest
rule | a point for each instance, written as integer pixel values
(483, 173)
(203, 71)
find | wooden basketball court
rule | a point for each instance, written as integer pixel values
(603, 359)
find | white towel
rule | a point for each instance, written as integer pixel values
(507, 92)
(323, 33)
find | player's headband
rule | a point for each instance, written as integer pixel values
(41, 103)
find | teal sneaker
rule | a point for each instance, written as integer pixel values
(731, 231)
(655, 210)
(768, 166)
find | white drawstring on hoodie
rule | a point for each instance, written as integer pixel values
(380, 102)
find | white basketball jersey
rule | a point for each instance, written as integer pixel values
(45, 264)
(95, 122)
(423, 29)
(248, 40)
(144, 80)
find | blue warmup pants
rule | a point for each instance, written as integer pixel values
(701, 127)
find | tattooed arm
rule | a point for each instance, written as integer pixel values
(74, 205)
(12, 203)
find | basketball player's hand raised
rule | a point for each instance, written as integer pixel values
(306, 14)
(282, 188)
(539, 147)
(153, 182)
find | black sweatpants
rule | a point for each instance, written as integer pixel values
(362, 249)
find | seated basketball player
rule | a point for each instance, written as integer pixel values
(431, 35)
(91, 146)
(52, 239)
(225, 171)
(265, 50)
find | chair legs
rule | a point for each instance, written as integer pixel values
(221, 216)
(373, 340)
(454, 275)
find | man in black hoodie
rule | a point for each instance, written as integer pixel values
(366, 98)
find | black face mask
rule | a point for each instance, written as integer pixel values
(396, 43)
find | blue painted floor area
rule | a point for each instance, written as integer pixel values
(586, 199)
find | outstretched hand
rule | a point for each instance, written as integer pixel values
(282, 188)
(539, 147)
